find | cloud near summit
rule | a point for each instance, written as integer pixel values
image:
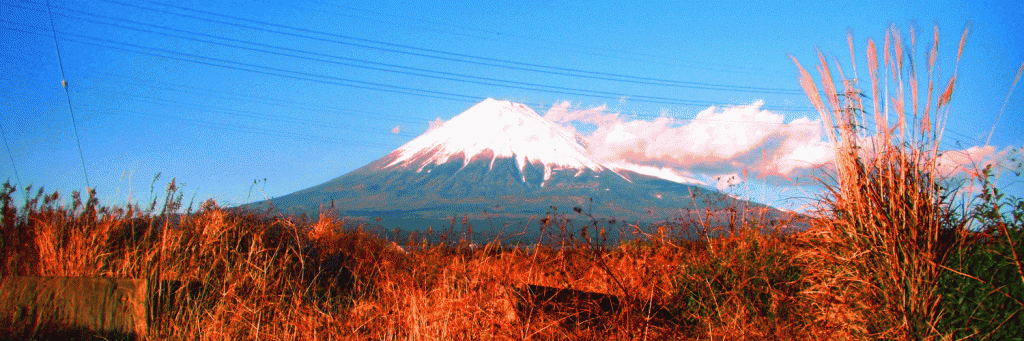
(730, 144)
(717, 142)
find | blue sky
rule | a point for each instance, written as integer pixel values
(218, 94)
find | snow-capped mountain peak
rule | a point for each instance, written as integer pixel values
(498, 129)
(486, 166)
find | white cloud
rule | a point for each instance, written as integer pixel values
(724, 146)
(561, 113)
(974, 159)
(718, 142)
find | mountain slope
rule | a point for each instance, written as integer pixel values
(502, 159)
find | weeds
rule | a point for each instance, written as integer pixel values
(230, 274)
(983, 286)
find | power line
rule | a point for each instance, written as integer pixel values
(455, 97)
(238, 128)
(1007, 99)
(385, 66)
(234, 127)
(343, 112)
(407, 119)
(273, 71)
(564, 90)
(189, 57)
(540, 107)
(251, 130)
(252, 65)
(392, 68)
(315, 80)
(569, 91)
(249, 114)
(468, 78)
(452, 56)
(609, 52)
(532, 104)
(276, 71)
(67, 95)
(249, 98)
(10, 155)
(283, 103)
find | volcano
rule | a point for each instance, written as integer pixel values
(501, 160)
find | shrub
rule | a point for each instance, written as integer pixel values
(983, 291)
(763, 281)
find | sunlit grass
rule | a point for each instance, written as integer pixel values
(890, 219)
(284, 278)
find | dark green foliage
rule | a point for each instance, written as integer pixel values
(760, 278)
(985, 300)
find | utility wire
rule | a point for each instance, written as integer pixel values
(251, 65)
(11, 156)
(188, 57)
(252, 130)
(193, 58)
(1007, 99)
(275, 102)
(272, 71)
(451, 56)
(134, 82)
(355, 113)
(119, 111)
(283, 26)
(249, 114)
(462, 31)
(474, 99)
(67, 95)
(386, 67)
(390, 67)
(487, 81)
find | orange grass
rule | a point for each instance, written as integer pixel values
(889, 216)
(280, 278)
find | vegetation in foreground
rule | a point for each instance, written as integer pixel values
(891, 254)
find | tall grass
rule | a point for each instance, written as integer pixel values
(889, 218)
(285, 278)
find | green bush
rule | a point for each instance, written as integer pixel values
(983, 293)
(760, 278)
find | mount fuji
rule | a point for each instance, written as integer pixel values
(501, 160)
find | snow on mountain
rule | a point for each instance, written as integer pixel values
(662, 173)
(498, 129)
(502, 129)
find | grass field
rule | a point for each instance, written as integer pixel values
(890, 253)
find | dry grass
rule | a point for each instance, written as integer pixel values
(284, 278)
(889, 217)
